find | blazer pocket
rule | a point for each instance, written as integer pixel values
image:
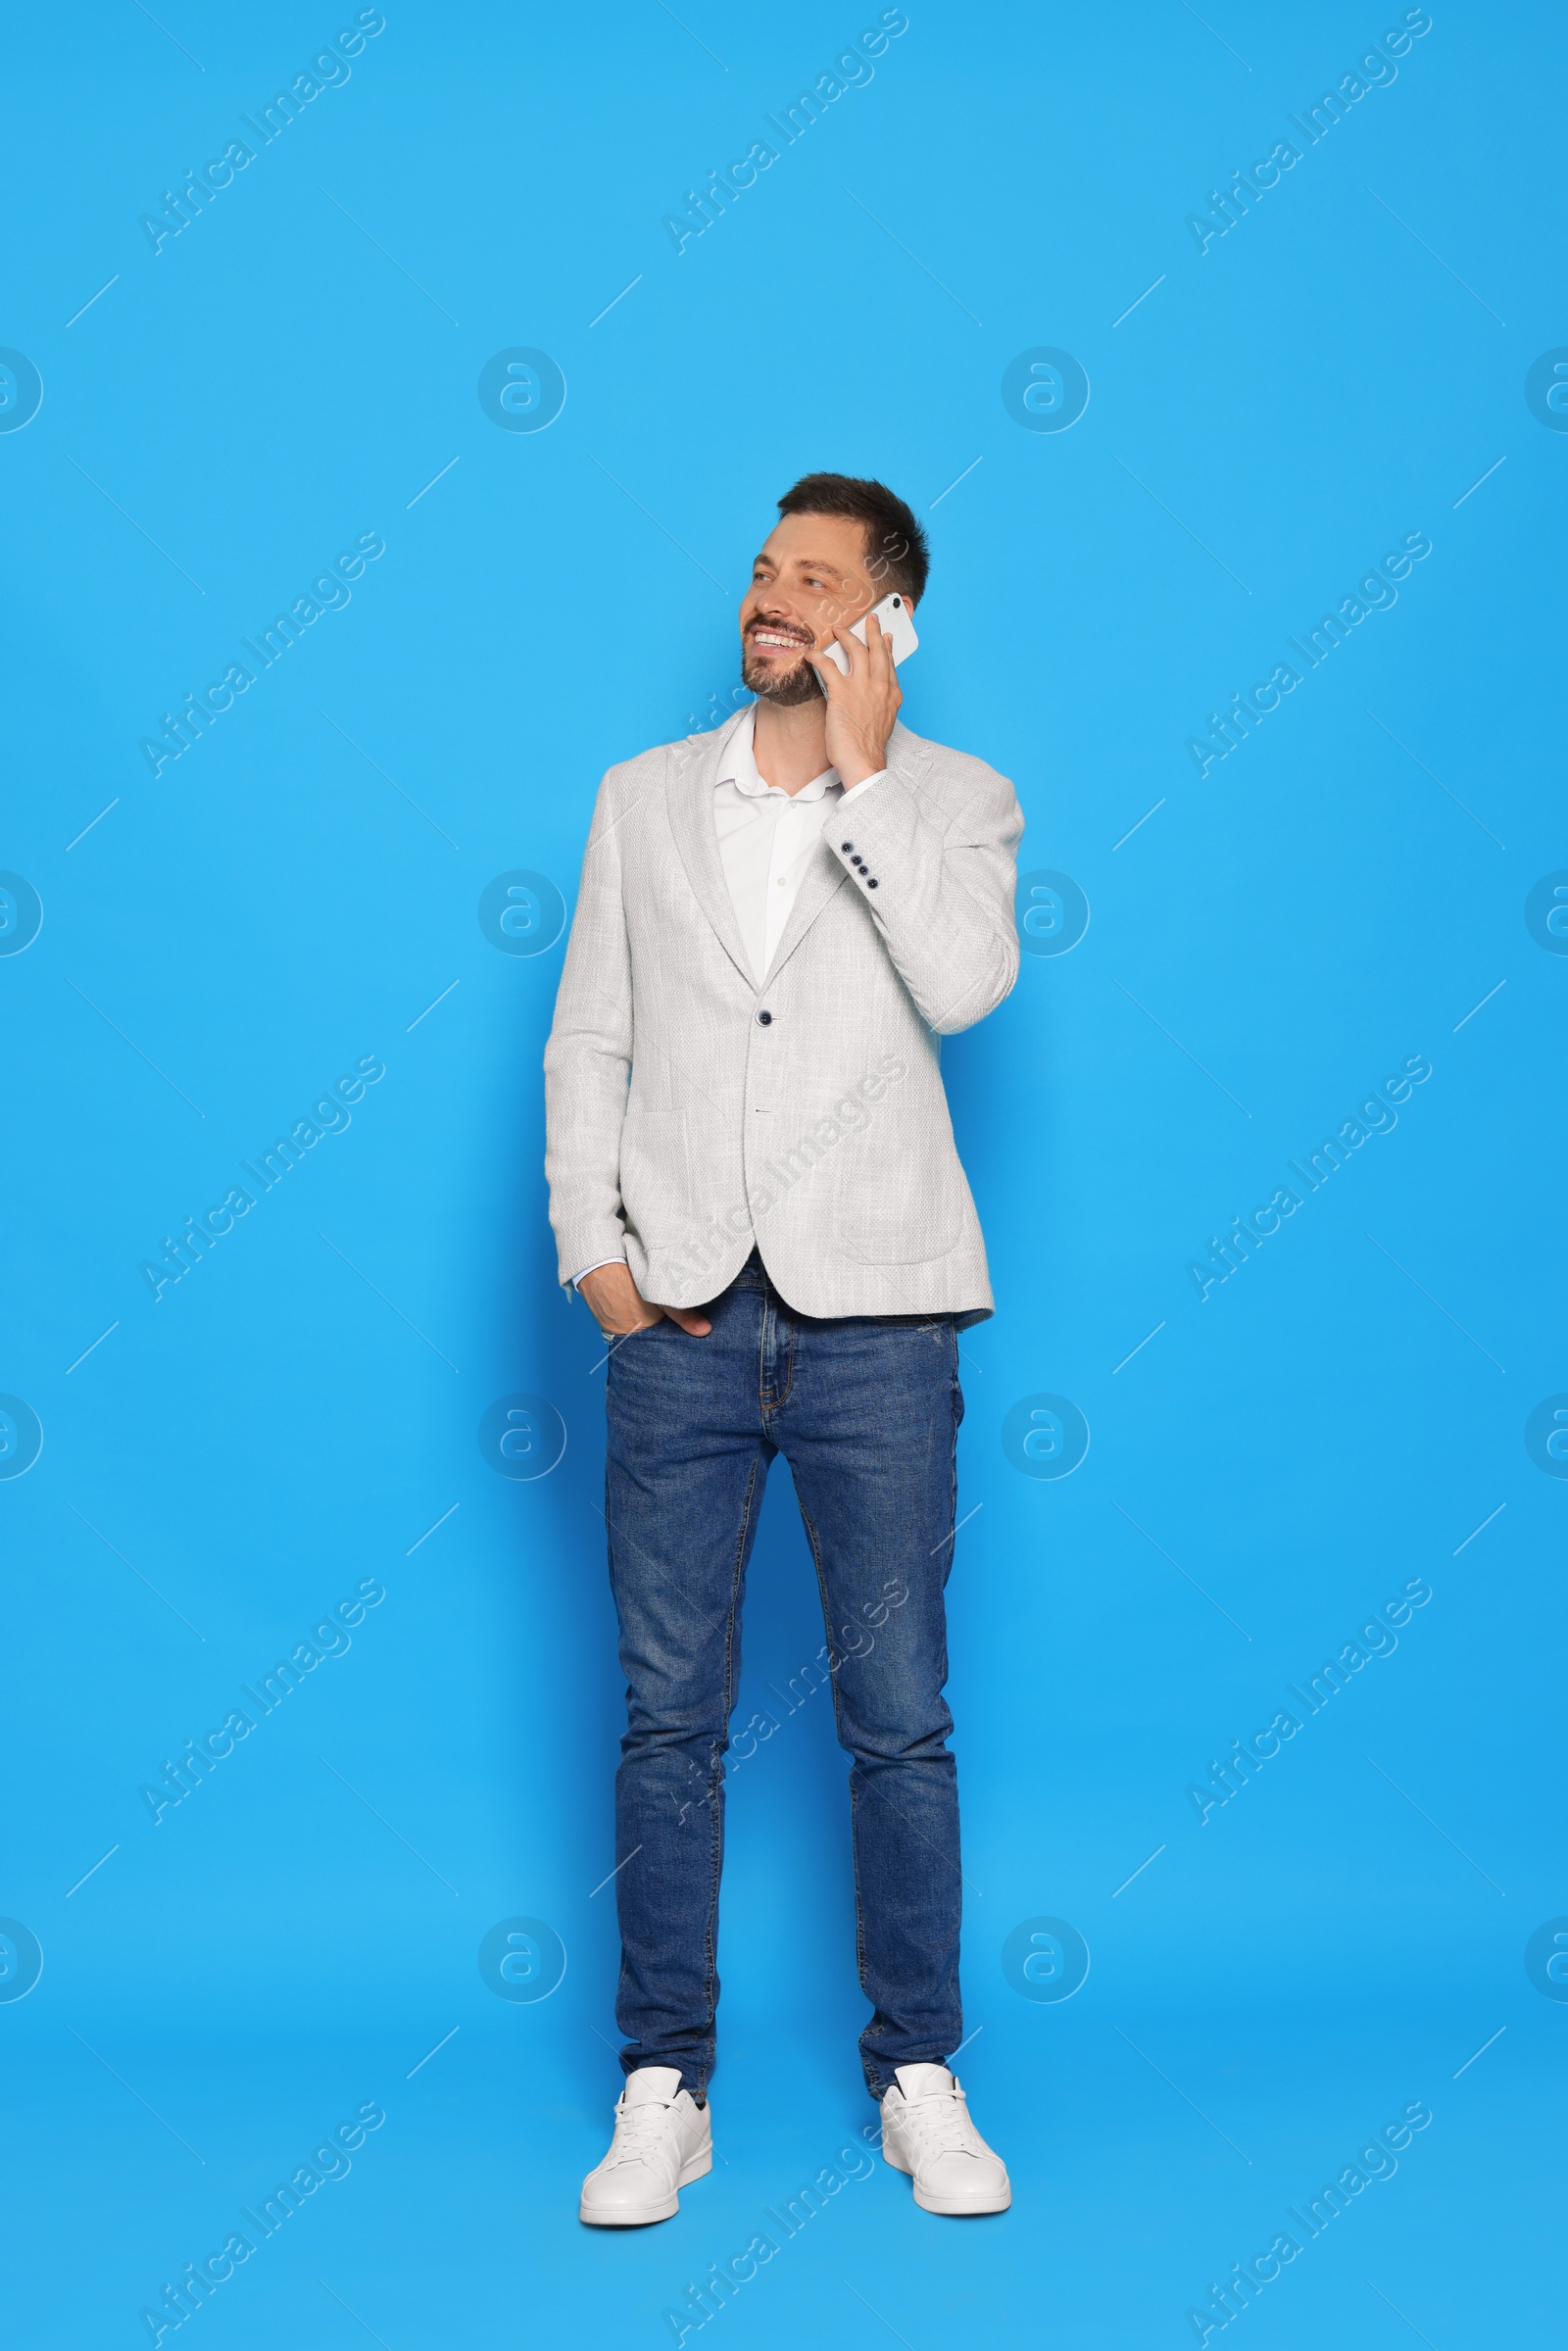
(903, 1223)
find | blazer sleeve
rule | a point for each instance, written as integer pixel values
(939, 887)
(588, 1057)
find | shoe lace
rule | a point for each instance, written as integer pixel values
(636, 2128)
(939, 2120)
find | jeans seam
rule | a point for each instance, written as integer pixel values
(769, 1400)
(710, 1940)
(952, 1552)
(838, 1732)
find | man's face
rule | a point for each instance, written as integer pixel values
(811, 577)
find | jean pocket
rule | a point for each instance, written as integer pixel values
(616, 1340)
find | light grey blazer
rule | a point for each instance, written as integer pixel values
(692, 1114)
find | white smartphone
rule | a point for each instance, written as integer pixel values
(893, 617)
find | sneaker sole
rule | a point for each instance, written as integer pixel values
(643, 2216)
(960, 2207)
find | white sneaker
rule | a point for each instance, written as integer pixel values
(663, 2140)
(926, 2131)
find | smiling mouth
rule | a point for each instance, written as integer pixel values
(778, 640)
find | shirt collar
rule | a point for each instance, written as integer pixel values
(737, 765)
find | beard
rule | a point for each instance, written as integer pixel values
(785, 693)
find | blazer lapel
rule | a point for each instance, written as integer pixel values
(823, 876)
(692, 781)
(693, 778)
(826, 876)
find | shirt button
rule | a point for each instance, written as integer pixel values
(765, 1020)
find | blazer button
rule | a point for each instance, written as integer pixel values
(871, 885)
(847, 846)
(765, 1020)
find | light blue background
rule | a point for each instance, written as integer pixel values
(296, 1414)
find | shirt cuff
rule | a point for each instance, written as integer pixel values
(578, 1279)
(864, 785)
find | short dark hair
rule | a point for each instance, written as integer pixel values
(895, 549)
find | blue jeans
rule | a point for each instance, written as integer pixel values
(865, 1410)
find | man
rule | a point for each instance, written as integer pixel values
(752, 1183)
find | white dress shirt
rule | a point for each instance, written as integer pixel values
(766, 840)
